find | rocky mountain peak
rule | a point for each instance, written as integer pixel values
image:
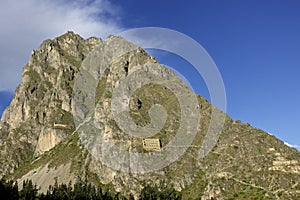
(42, 99)
(74, 90)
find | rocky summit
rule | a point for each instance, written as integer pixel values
(109, 113)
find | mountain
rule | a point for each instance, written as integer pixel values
(85, 106)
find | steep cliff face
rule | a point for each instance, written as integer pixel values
(59, 125)
(42, 100)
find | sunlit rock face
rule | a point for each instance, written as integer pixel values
(42, 99)
(49, 129)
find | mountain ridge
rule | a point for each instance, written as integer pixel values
(38, 131)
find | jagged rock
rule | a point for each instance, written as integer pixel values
(43, 98)
(42, 131)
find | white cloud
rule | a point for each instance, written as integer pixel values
(269, 133)
(292, 146)
(25, 24)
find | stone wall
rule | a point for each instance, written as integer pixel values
(151, 144)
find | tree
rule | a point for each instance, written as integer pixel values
(8, 190)
(153, 193)
(29, 191)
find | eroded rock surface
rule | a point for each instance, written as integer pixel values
(41, 132)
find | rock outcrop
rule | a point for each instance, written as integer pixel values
(42, 99)
(53, 125)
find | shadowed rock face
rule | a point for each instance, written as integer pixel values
(45, 133)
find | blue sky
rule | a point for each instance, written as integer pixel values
(255, 45)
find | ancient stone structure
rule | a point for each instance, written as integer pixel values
(151, 144)
(40, 140)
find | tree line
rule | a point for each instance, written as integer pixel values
(80, 190)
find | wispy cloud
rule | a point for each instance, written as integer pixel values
(25, 24)
(292, 146)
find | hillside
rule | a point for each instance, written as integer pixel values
(71, 115)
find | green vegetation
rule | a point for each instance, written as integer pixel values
(251, 193)
(240, 166)
(196, 189)
(34, 82)
(100, 89)
(56, 157)
(150, 94)
(80, 190)
(8, 190)
(68, 147)
(33, 75)
(154, 193)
